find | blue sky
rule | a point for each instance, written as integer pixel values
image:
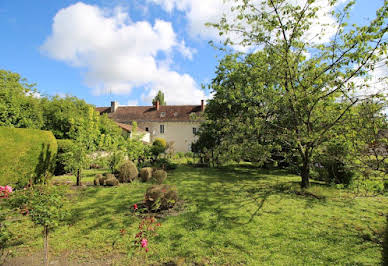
(105, 50)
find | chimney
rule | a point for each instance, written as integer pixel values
(202, 105)
(113, 106)
(157, 105)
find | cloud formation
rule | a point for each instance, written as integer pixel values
(119, 54)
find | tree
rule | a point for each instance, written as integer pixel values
(294, 93)
(159, 97)
(19, 106)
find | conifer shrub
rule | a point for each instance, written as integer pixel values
(159, 176)
(146, 174)
(127, 172)
(160, 197)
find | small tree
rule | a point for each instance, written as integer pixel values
(158, 147)
(76, 160)
(159, 97)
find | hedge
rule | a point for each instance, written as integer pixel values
(26, 155)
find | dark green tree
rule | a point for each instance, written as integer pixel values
(159, 97)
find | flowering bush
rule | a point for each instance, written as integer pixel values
(5, 191)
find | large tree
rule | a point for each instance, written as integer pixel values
(298, 89)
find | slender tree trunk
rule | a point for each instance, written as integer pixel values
(46, 246)
(78, 177)
(305, 174)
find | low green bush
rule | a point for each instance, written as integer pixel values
(97, 179)
(64, 146)
(127, 172)
(165, 164)
(146, 174)
(160, 197)
(159, 176)
(26, 155)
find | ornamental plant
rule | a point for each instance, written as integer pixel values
(44, 205)
(5, 234)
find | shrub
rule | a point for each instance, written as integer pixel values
(112, 182)
(161, 197)
(26, 155)
(146, 174)
(158, 146)
(64, 146)
(159, 176)
(165, 164)
(97, 179)
(127, 172)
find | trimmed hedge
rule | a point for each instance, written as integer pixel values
(26, 154)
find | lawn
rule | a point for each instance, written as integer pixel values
(233, 216)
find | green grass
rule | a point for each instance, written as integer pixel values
(235, 216)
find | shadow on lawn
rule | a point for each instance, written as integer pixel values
(223, 193)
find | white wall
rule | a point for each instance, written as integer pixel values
(179, 132)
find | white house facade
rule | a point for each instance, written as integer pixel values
(174, 123)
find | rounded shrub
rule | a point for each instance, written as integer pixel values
(127, 172)
(112, 182)
(96, 180)
(160, 197)
(159, 176)
(145, 174)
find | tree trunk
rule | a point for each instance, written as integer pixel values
(46, 246)
(305, 174)
(78, 177)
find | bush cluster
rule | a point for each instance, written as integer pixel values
(105, 180)
(146, 174)
(127, 172)
(160, 197)
(159, 176)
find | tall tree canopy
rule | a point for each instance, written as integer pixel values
(159, 97)
(295, 93)
(19, 106)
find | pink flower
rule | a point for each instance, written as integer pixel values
(144, 243)
(8, 188)
(135, 207)
(146, 250)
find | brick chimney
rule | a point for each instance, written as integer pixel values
(202, 105)
(157, 105)
(113, 106)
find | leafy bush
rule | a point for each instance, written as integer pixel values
(160, 197)
(64, 146)
(26, 155)
(146, 174)
(127, 172)
(159, 176)
(331, 165)
(112, 182)
(114, 160)
(165, 164)
(158, 146)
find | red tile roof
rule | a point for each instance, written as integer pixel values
(128, 128)
(167, 113)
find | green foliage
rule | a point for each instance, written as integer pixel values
(160, 197)
(145, 174)
(159, 146)
(18, 105)
(331, 164)
(127, 172)
(159, 97)
(276, 98)
(5, 234)
(165, 164)
(76, 159)
(137, 150)
(64, 146)
(159, 176)
(114, 160)
(27, 154)
(97, 179)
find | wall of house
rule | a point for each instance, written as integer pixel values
(179, 132)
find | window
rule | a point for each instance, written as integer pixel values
(194, 130)
(161, 129)
(147, 129)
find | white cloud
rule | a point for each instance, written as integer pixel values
(198, 14)
(119, 54)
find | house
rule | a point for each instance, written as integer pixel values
(142, 134)
(174, 123)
